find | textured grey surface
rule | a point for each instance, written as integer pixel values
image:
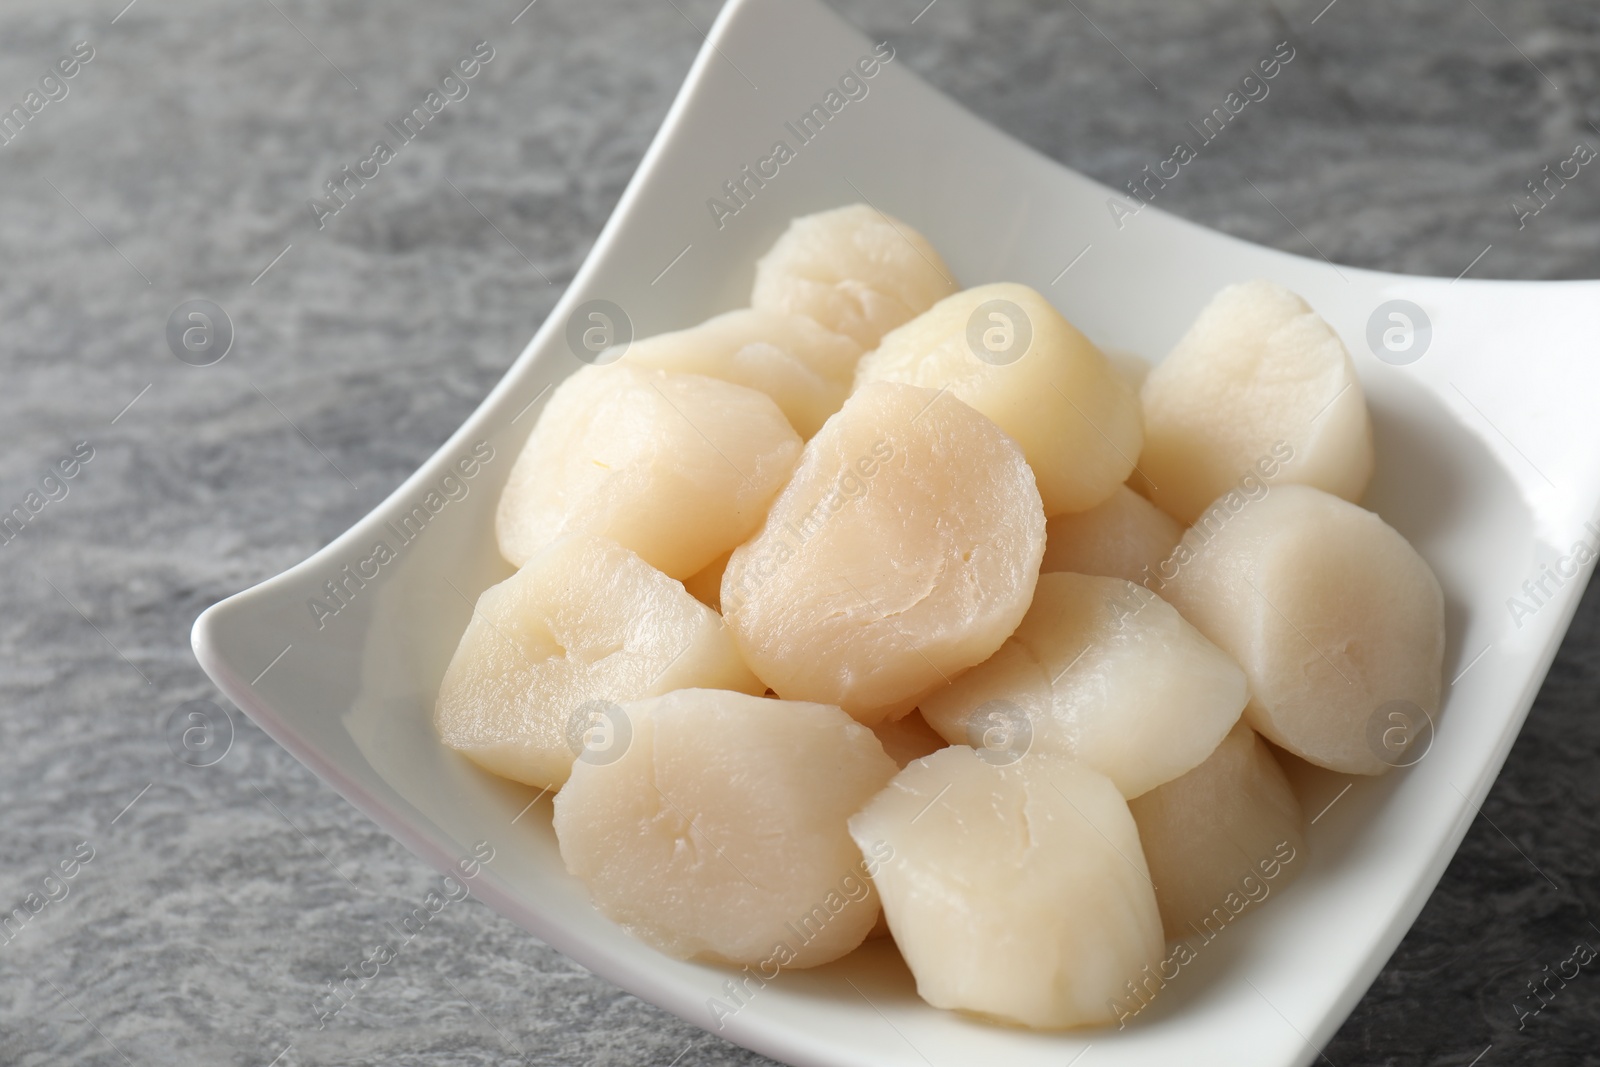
(216, 906)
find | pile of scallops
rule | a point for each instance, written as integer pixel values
(887, 608)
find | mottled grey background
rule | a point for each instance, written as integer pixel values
(218, 903)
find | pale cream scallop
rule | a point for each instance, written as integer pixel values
(1257, 368)
(1335, 618)
(854, 269)
(904, 550)
(1126, 536)
(806, 369)
(720, 831)
(584, 620)
(1223, 837)
(677, 467)
(1006, 351)
(1016, 892)
(1102, 671)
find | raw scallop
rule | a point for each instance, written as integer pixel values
(904, 550)
(1336, 620)
(1102, 671)
(677, 467)
(1017, 892)
(854, 270)
(583, 624)
(1259, 377)
(720, 833)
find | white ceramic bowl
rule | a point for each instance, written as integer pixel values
(1486, 462)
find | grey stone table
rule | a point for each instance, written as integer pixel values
(218, 900)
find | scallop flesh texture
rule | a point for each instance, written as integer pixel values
(1221, 838)
(1018, 892)
(904, 550)
(1006, 351)
(853, 269)
(806, 369)
(908, 738)
(1336, 620)
(1102, 671)
(719, 832)
(1260, 386)
(1126, 536)
(677, 467)
(583, 625)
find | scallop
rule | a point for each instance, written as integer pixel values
(720, 832)
(806, 369)
(1335, 618)
(1017, 892)
(1222, 837)
(677, 467)
(583, 625)
(1126, 536)
(904, 550)
(1102, 671)
(1260, 386)
(854, 269)
(1007, 352)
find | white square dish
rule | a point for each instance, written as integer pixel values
(1484, 463)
